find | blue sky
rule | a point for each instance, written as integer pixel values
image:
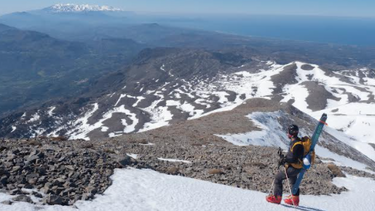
(359, 8)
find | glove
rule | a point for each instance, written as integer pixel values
(282, 161)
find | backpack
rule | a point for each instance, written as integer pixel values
(308, 158)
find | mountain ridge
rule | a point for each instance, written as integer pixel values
(67, 8)
(169, 86)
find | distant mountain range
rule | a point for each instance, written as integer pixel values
(80, 64)
(64, 8)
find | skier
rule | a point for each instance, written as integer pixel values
(293, 165)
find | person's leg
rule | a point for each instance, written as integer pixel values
(292, 181)
(292, 199)
(292, 175)
(278, 189)
(278, 183)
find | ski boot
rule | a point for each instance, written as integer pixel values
(273, 199)
(292, 200)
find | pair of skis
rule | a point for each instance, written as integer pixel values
(314, 140)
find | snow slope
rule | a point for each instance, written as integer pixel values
(141, 190)
(272, 134)
(352, 112)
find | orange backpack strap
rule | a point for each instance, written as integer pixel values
(298, 142)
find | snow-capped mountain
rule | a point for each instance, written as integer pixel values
(65, 8)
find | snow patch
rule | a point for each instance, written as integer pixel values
(14, 128)
(174, 160)
(270, 133)
(148, 144)
(82, 126)
(34, 118)
(135, 156)
(50, 111)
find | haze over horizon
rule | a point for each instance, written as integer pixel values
(342, 8)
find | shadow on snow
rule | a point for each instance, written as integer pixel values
(302, 208)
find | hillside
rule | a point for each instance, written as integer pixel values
(192, 149)
(36, 67)
(167, 86)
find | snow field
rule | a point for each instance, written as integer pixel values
(353, 120)
(357, 120)
(147, 190)
(83, 128)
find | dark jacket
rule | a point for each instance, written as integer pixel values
(295, 154)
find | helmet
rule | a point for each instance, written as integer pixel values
(293, 131)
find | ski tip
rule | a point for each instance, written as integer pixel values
(323, 119)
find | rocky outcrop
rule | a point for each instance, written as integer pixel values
(62, 171)
(250, 167)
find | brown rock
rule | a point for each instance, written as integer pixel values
(172, 170)
(335, 170)
(215, 171)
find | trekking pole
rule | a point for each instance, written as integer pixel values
(273, 185)
(280, 153)
(290, 189)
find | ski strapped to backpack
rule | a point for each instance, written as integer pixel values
(307, 157)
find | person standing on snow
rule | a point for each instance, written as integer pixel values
(293, 165)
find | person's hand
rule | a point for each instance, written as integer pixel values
(282, 161)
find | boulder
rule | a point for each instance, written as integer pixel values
(23, 198)
(125, 161)
(335, 170)
(172, 170)
(7, 202)
(56, 200)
